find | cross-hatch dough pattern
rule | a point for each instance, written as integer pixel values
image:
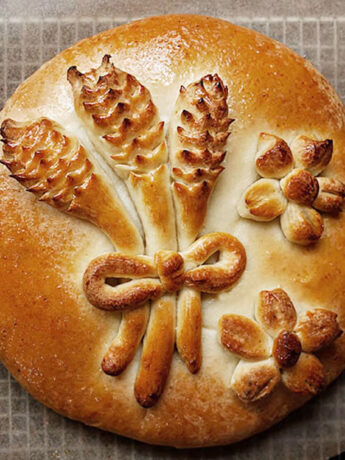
(124, 126)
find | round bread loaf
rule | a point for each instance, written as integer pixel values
(176, 274)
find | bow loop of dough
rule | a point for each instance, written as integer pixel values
(137, 279)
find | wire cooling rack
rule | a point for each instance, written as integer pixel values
(28, 430)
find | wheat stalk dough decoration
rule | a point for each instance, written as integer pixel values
(198, 134)
(123, 123)
(54, 166)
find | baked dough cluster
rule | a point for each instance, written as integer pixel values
(290, 188)
(138, 261)
(278, 346)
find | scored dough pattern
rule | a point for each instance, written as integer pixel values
(290, 189)
(123, 123)
(53, 165)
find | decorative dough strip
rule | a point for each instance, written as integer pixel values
(132, 142)
(198, 135)
(123, 348)
(157, 352)
(123, 124)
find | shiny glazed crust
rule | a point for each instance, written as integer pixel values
(53, 341)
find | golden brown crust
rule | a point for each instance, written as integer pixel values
(331, 195)
(253, 381)
(195, 409)
(317, 329)
(151, 195)
(286, 349)
(125, 296)
(170, 269)
(262, 201)
(189, 329)
(274, 158)
(157, 352)
(169, 266)
(311, 154)
(300, 187)
(301, 224)
(124, 346)
(243, 337)
(275, 311)
(221, 275)
(306, 376)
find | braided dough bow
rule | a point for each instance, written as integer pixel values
(168, 271)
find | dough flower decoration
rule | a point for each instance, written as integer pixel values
(289, 187)
(155, 280)
(278, 347)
